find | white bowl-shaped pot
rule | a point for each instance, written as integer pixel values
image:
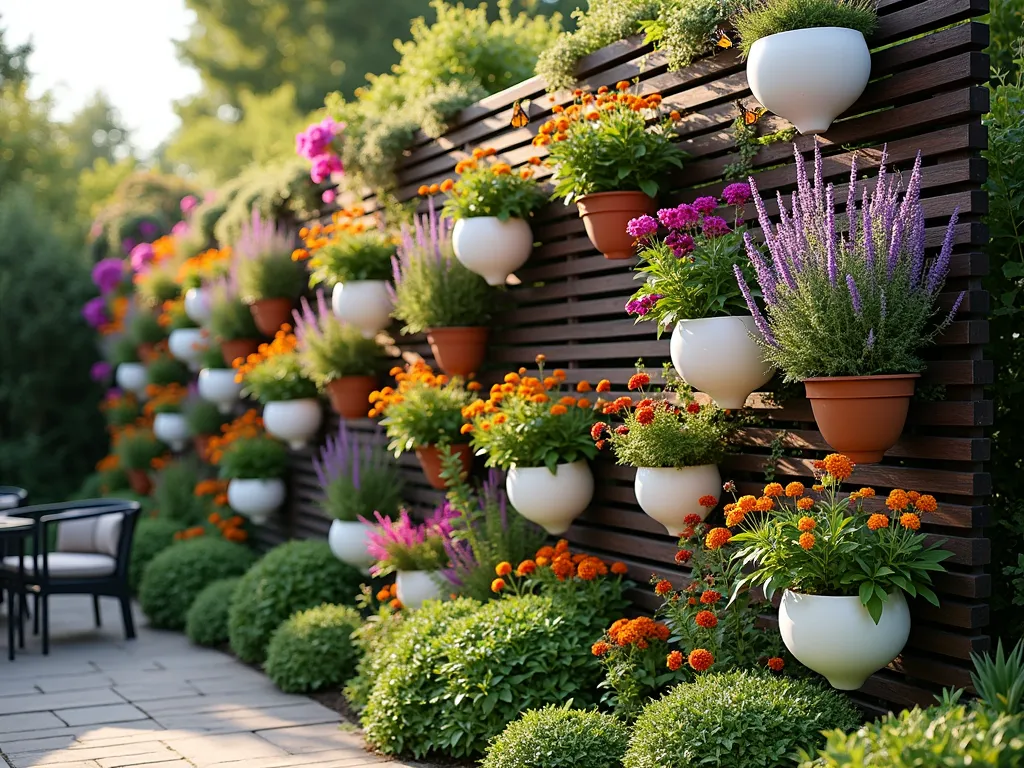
(492, 248)
(197, 305)
(348, 543)
(809, 76)
(294, 421)
(132, 378)
(188, 345)
(366, 304)
(552, 501)
(171, 428)
(218, 385)
(837, 638)
(669, 495)
(416, 587)
(256, 498)
(717, 356)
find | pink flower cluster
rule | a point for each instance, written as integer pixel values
(315, 144)
(387, 534)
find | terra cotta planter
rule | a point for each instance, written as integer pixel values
(430, 460)
(270, 314)
(350, 395)
(605, 216)
(140, 481)
(202, 445)
(459, 351)
(233, 349)
(861, 416)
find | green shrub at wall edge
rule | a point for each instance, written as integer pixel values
(206, 622)
(559, 737)
(313, 649)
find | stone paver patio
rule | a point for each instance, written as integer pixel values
(99, 701)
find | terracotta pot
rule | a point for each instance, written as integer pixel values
(147, 351)
(202, 445)
(861, 416)
(350, 395)
(139, 481)
(605, 215)
(270, 314)
(459, 351)
(430, 460)
(236, 348)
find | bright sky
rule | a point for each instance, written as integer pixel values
(122, 47)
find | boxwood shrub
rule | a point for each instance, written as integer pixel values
(171, 582)
(152, 536)
(290, 578)
(738, 718)
(313, 649)
(559, 737)
(206, 622)
(471, 681)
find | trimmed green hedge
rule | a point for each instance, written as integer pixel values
(206, 622)
(152, 536)
(558, 737)
(313, 649)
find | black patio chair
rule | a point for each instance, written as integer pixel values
(12, 497)
(93, 543)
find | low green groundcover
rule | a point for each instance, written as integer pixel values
(313, 649)
(207, 620)
(559, 737)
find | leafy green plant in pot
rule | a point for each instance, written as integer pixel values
(269, 279)
(609, 153)
(690, 286)
(867, 293)
(356, 262)
(138, 451)
(437, 294)
(255, 467)
(204, 420)
(356, 480)
(675, 448)
(217, 383)
(338, 358)
(231, 323)
(491, 204)
(424, 414)
(145, 330)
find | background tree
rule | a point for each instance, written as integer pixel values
(97, 133)
(13, 61)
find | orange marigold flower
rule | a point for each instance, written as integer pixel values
(540, 398)
(526, 567)
(877, 521)
(638, 380)
(914, 496)
(747, 503)
(474, 386)
(701, 659)
(589, 569)
(534, 161)
(807, 540)
(692, 519)
(795, 489)
(926, 503)
(911, 521)
(602, 89)
(817, 488)
(435, 188)
(710, 596)
(675, 115)
(717, 538)
(776, 663)
(674, 660)
(898, 500)
(600, 648)
(807, 524)
(683, 556)
(423, 191)
(866, 493)
(734, 517)
(604, 385)
(395, 605)
(583, 403)
(708, 501)
(805, 503)
(384, 594)
(645, 416)
(525, 173)
(543, 561)
(706, 619)
(774, 489)
(765, 504)
(562, 545)
(447, 185)
(619, 568)
(583, 386)
(503, 568)
(559, 410)
(839, 466)
(562, 569)
(546, 551)
(663, 587)
(622, 85)
(497, 585)
(465, 429)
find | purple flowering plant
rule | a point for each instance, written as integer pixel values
(108, 274)
(317, 144)
(688, 272)
(262, 261)
(404, 545)
(330, 349)
(357, 477)
(849, 294)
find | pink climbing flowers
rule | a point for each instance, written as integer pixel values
(318, 144)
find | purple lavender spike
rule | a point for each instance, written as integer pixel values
(851, 203)
(803, 190)
(762, 214)
(880, 182)
(830, 236)
(917, 246)
(765, 278)
(858, 308)
(759, 321)
(871, 339)
(895, 247)
(818, 199)
(940, 266)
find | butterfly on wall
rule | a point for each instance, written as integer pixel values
(520, 119)
(750, 116)
(722, 39)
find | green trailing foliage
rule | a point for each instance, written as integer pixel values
(313, 649)
(206, 622)
(166, 370)
(559, 737)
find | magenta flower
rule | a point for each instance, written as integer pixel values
(681, 217)
(643, 305)
(642, 226)
(188, 202)
(316, 139)
(142, 254)
(100, 371)
(328, 196)
(127, 244)
(681, 243)
(95, 312)
(705, 204)
(107, 274)
(324, 166)
(148, 229)
(714, 226)
(736, 194)
(180, 229)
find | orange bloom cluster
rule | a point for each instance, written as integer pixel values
(717, 538)
(674, 660)
(205, 265)
(190, 533)
(230, 528)
(164, 248)
(838, 466)
(218, 489)
(700, 659)
(776, 664)
(639, 632)
(284, 343)
(108, 463)
(565, 565)
(347, 221)
(118, 312)
(587, 106)
(532, 388)
(389, 594)
(249, 424)
(170, 394)
(417, 374)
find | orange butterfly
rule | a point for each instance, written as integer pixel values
(519, 117)
(750, 116)
(721, 39)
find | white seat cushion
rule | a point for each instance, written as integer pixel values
(8, 500)
(69, 565)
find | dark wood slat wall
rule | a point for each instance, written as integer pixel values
(927, 94)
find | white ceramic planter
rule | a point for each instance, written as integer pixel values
(197, 305)
(348, 543)
(668, 494)
(132, 378)
(171, 428)
(492, 248)
(218, 385)
(294, 421)
(717, 356)
(416, 587)
(188, 345)
(256, 499)
(366, 304)
(552, 501)
(837, 638)
(809, 76)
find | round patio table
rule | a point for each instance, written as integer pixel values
(13, 532)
